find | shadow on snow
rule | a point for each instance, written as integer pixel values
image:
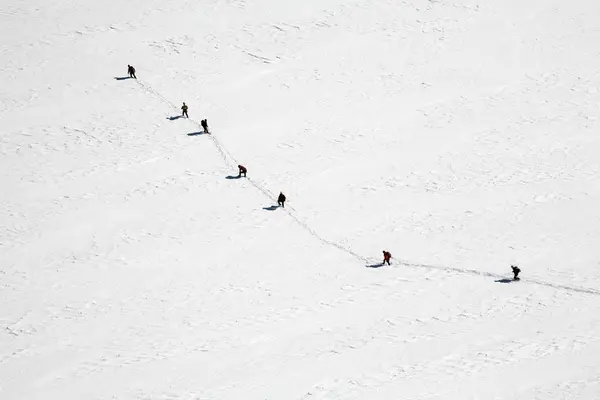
(193, 133)
(174, 117)
(122, 78)
(504, 280)
(375, 265)
(232, 177)
(271, 208)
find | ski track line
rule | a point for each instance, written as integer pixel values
(228, 157)
(492, 275)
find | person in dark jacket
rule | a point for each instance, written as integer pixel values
(184, 109)
(281, 200)
(131, 71)
(204, 124)
(242, 170)
(515, 271)
(386, 257)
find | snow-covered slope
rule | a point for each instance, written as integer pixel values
(461, 136)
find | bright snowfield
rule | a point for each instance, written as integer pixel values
(463, 136)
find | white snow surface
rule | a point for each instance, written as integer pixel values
(462, 136)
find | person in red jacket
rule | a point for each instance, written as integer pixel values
(243, 171)
(386, 257)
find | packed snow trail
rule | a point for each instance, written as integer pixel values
(232, 162)
(131, 254)
(498, 276)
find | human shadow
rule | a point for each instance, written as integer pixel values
(122, 78)
(271, 208)
(195, 133)
(232, 177)
(173, 118)
(375, 265)
(504, 280)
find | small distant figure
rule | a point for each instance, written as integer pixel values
(515, 271)
(204, 124)
(131, 71)
(243, 172)
(281, 200)
(386, 257)
(184, 109)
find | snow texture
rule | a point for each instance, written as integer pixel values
(461, 136)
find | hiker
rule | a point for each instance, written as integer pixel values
(386, 257)
(184, 109)
(281, 200)
(131, 71)
(515, 271)
(243, 171)
(204, 124)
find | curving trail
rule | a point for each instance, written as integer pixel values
(460, 135)
(231, 162)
